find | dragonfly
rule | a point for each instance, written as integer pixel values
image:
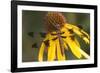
(61, 37)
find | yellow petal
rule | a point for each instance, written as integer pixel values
(65, 46)
(59, 54)
(77, 42)
(85, 34)
(52, 36)
(81, 51)
(86, 40)
(47, 37)
(41, 51)
(68, 26)
(66, 32)
(79, 32)
(51, 51)
(74, 47)
(84, 54)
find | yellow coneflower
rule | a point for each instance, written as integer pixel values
(60, 37)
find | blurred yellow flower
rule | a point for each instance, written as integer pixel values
(60, 37)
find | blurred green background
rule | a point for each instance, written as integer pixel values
(33, 21)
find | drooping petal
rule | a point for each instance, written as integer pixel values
(41, 51)
(84, 54)
(85, 34)
(86, 40)
(77, 42)
(66, 34)
(51, 51)
(79, 32)
(65, 46)
(81, 51)
(74, 47)
(59, 54)
(42, 48)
